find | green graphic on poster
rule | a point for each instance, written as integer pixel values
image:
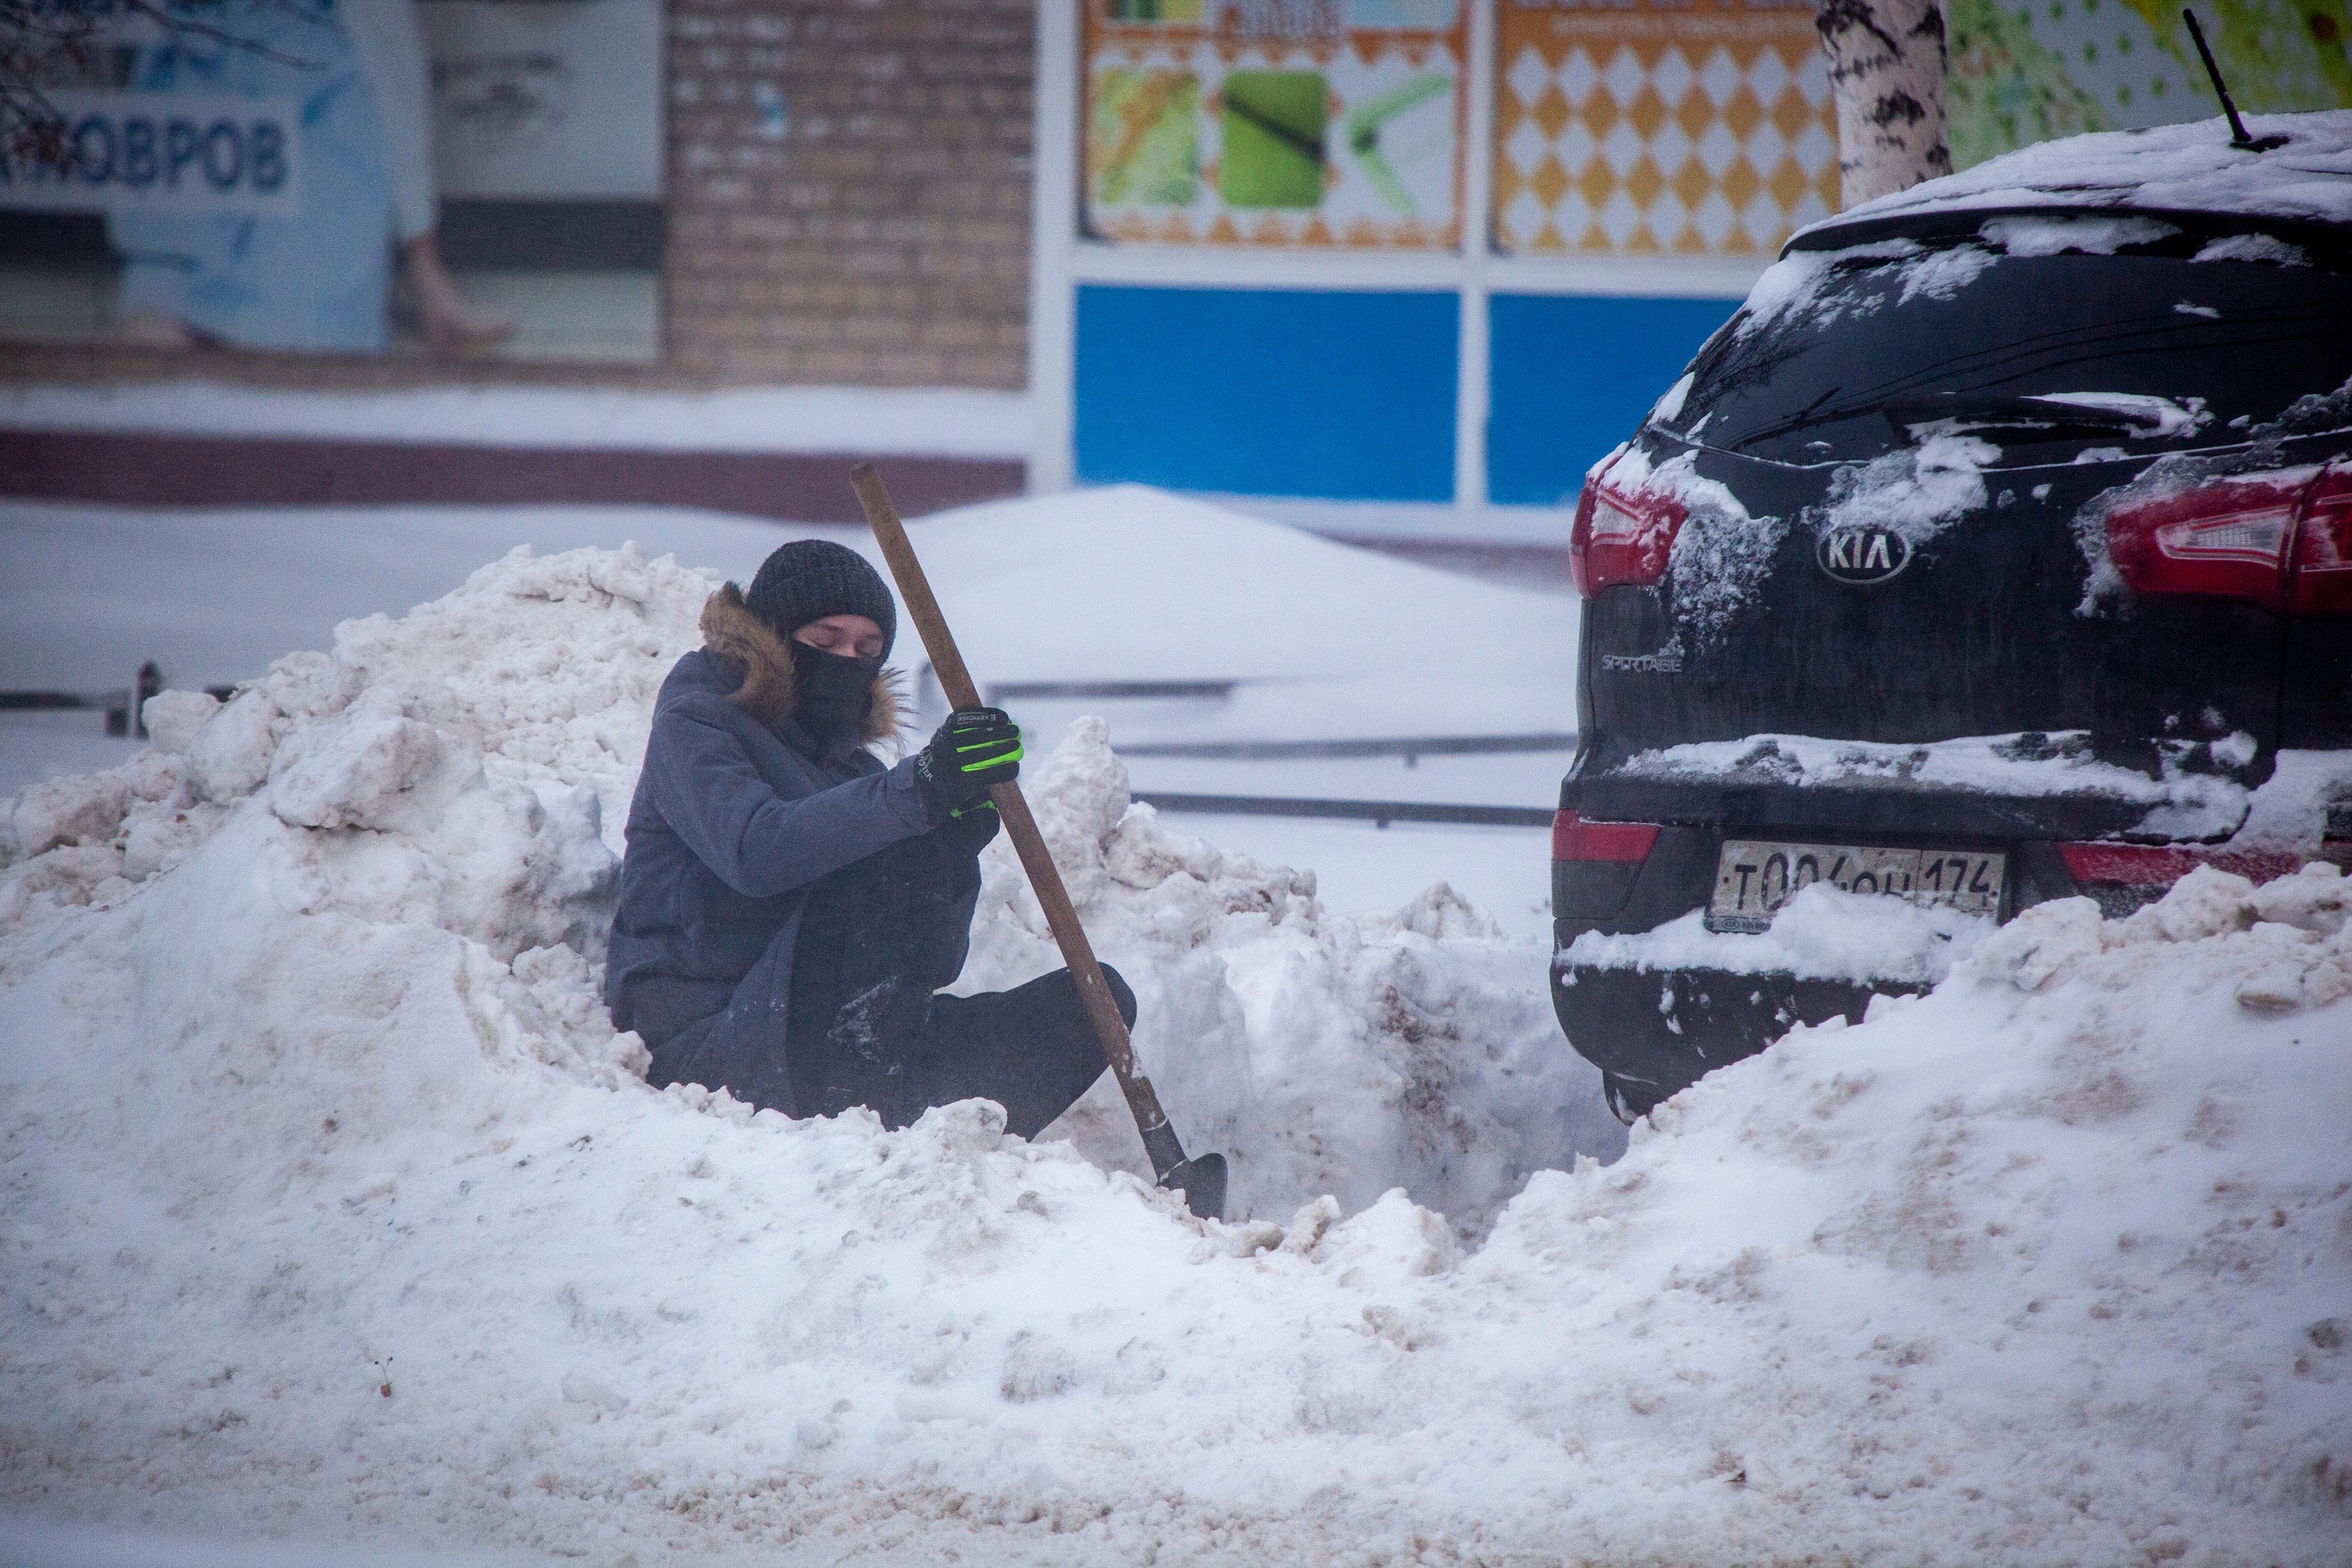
(1276, 123)
(1145, 148)
(1154, 10)
(1366, 123)
(2025, 72)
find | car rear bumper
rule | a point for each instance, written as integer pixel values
(1657, 1030)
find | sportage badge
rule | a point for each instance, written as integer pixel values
(1863, 556)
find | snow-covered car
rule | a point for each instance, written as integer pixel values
(1998, 550)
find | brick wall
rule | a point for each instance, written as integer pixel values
(882, 238)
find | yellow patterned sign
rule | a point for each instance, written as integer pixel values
(1704, 129)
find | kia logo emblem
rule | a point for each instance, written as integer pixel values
(1863, 556)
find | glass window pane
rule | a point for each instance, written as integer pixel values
(1698, 128)
(1275, 124)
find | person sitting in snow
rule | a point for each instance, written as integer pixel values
(791, 907)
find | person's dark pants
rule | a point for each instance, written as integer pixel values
(1032, 1049)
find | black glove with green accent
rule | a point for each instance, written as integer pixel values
(969, 831)
(974, 751)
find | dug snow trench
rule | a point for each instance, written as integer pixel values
(335, 1210)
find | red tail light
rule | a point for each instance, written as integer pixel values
(2161, 866)
(1574, 838)
(2282, 541)
(1621, 537)
(2322, 566)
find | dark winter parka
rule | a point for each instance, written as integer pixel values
(736, 815)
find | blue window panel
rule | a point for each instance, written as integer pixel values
(1573, 376)
(1336, 395)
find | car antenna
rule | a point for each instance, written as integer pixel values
(2238, 138)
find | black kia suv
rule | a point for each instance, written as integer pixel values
(1998, 550)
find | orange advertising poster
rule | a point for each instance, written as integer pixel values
(1276, 123)
(1704, 129)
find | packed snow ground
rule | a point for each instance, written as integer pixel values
(335, 1210)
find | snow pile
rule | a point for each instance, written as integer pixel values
(1325, 1054)
(465, 772)
(2295, 950)
(459, 767)
(2190, 167)
(310, 1235)
(1821, 933)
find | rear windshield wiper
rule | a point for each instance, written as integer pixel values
(1982, 411)
(1821, 410)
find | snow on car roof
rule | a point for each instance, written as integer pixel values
(2170, 168)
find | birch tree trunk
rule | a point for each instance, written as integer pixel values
(1886, 65)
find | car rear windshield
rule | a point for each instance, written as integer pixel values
(2150, 339)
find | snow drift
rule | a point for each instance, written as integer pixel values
(334, 1208)
(459, 776)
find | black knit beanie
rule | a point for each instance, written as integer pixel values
(810, 579)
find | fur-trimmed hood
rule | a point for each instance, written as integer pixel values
(730, 630)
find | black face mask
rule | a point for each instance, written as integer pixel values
(832, 694)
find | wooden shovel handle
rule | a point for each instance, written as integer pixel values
(955, 680)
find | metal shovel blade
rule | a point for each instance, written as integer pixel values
(1202, 1181)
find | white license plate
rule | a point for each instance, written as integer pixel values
(1754, 878)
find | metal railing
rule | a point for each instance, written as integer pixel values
(1379, 813)
(1001, 691)
(1410, 748)
(123, 705)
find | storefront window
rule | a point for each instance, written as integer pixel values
(2025, 73)
(470, 177)
(1276, 123)
(1702, 128)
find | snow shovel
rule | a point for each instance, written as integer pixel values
(1201, 1180)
